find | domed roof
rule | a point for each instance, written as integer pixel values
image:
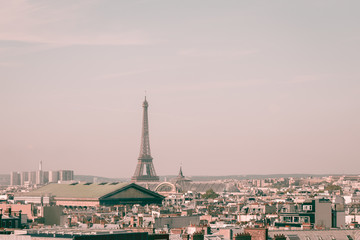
(166, 187)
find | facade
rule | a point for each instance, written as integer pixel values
(10, 219)
(315, 213)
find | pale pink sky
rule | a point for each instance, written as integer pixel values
(234, 87)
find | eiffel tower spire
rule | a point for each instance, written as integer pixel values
(145, 142)
(145, 171)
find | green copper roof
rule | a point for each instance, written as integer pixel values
(77, 190)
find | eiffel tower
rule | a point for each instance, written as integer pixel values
(145, 171)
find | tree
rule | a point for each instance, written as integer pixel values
(331, 188)
(210, 194)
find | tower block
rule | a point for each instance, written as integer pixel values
(145, 171)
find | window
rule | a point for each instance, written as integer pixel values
(306, 219)
(307, 207)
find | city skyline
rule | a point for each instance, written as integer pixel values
(234, 88)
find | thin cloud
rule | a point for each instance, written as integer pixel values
(215, 53)
(122, 74)
(31, 22)
(89, 40)
(217, 85)
(308, 78)
(244, 83)
(8, 64)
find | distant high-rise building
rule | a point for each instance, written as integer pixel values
(4, 179)
(53, 176)
(45, 177)
(24, 177)
(39, 177)
(66, 175)
(15, 179)
(145, 171)
(32, 178)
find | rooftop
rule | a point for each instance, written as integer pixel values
(76, 190)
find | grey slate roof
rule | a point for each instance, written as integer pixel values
(80, 190)
(204, 186)
(318, 234)
(200, 187)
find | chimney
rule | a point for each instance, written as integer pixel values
(93, 219)
(19, 225)
(1, 217)
(140, 221)
(132, 221)
(69, 221)
(185, 236)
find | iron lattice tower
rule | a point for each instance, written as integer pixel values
(145, 171)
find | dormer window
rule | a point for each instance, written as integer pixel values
(307, 207)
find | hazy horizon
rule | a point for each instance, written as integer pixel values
(234, 88)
